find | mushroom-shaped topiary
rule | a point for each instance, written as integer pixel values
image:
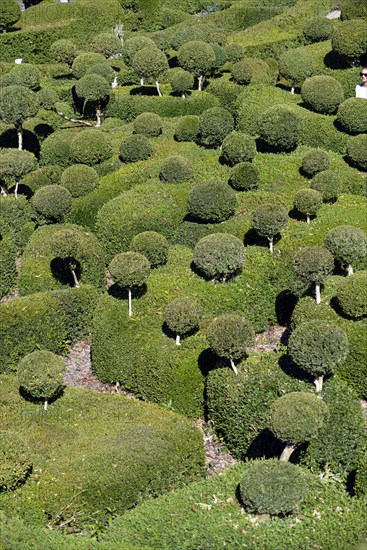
(295, 418)
(85, 61)
(176, 169)
(52, 203)
(295, 65)
(347, 244)
(14, 165)
(280, 127)
(181, 81)
(273, 487)
(244, 177)
(63, 51)
(129, 270)
(186, 34)
(318, 347)
(25, 74)
(15, 461)
(9, 14)
(48, 98)
(215, 124)
(229, 336)
(316, 160)
(41, 375)
(17, 103)
(55, 149)
(352, 115)
(96, 89)
(242, 72)
(352, 295)
(90, 147)
(235, 52)
(307, 202)
(133, 45)
(238, 147)
(198, 58)
(317, 29)
(148, 124)
(187, 128)
(328, 184)
(322, 94)
(357, 151)
(350, 39)
(152, 245)
(313, 264)
(219, 256)
(268, 220)
(79, 179)
(135, 147)
(150, 63)
(106, 44)
(182, 316)
(103, 70)
(212, 202)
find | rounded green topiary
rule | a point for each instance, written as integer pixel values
(63, 51)
(47, 175)
(353, 9)
(149, 63)
(103, 70)
(23, 75)
(219, 256)
(317, 29)
(181, 81)
(235, 52)
(352, 295)
(47, 98)
(41, 375)
(105, 44)
(182, 316)
(9, 14)
(328, 184)
(187, 128)
(316, 160)
(176, 169)
(129, 269)
(152, 245)
(133, 45)
(79, 179)
(90, 147)
(212, 202)
(186, 34)
(280, 128)
(215, 124)
(15, 461)
(352, 115)
(313, 264)
(135, 147)
(238, 147)
(307, 202)
(295, 65)
(242, 72)
(85, 61)
(350, 39)
(273, 487)
(55, 149)
(197, 57)
(322, 94)
(93, 87)
(347, 244)
(52, 202)
(269, 219)
(357, 151)
(17, 103)
(230, 335)
(148, 124)
(244, 176)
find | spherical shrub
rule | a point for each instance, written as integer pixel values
(317, 29)
(183, 315)
(241, 72)
(129, 269)
(307, 202)
(85, 61)
(219, 256)
(186, 34)
(235, 52)
(350, 39)
(269, 219)
(176, 169)
(148, 124)
(328, 184)
(353, 9)
(93, 87)
(90, 147)
(47, 98)
(103, 70)
(273, 487)
(212, 202)
(133, 45)
(63, 51)
(346, 243)
(15, 461)
(181, 81)
(230, 335)
(152, 245)
(23, 75)
(352, 295)
(352, 115)
(197, 57)
(322, 94)
(106, 44)
(313, 264)
(52, 202)
(357, 151)
(41, 374)
(47, 175)
(187, 128)
(280, 128)
(238, 147)
(215, 124)
(79, 179)
(244, 177)
(315, 161)
(55, 149)
(135, 147)
(296, 65)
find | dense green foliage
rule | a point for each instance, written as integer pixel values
(215, 125)
(350, 39)
(347, 244)
(148, 124)
(352, 115)
(352, 295)
(90, 147)
(187, 128)
(176, 169)
(317, 29)
(316, 160)
(219, 256)
(230, 335)
(328, 184)
(9, 14)
(135, 147)
(79, 179)
(212, 202)
(16, 461)
(279, 127)
(356, 151)
(182, 316)
(52, 202)
(152, 245)
(322, 94)
(307, 201)
(238, 147)
(41, 374)
(244, 176)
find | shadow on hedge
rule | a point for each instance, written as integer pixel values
(9, 139)
(122, 293)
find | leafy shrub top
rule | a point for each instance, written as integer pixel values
(244, 176)
(176, 169)
(229, 336)
(106, 44)
(327, 182)
(315, 161)
(92, 87)
(79, 179)
(317, 29)
(215, 124)
(322, 94)
(135, 147)
(307, 201)
(313, 264)
(269, 219)
(238, 147)
(183, 315)
(23, 75)
(357, 151)
(52, 202)
(352, 115)
(352, 295)
(219, 256)
(90, 147)
(129, 269)
(41, 374)
(15, 461)
(280, 128)
(148, 124)
(17, 103)
(85, 61)
(346, 243)
(212, 202)
(296, 65)
(152, 245)
(350, 39)
(197, 57)
(63, 51)
(9, 13)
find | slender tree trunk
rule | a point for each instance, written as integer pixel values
(201, 80)
(287, 451)
(16, 189)
(75, 278)
(20, 137)
(271, 242)
(308, 218)
(3, 193)
(158, 87)
(233, 366)
(183, 95)
(350, 269)
(114, 82)
(292, 89)
(45, 404)
(142, 81)
(318, 294)
(319, 380)
(130, 306)
(99, 116)
(178, 343)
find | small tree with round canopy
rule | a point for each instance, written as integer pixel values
(15, 461)
(103, 70)
(296, 417)
(17, 103)
(96, 89)
(150, 63)
(349, 39)
(106, 44)
(79, 179)
(269, 220)
(318, 347)
(328, 184)
(52, 203)
(317, 29)
(9, 14)
(316, 160)
(347, 244)
(41, 375)
(352, 295)
(219, 256)
(215, 124)
(296, 65)
(26, 74)
(129, 270)
(182, 316)
(85, 61)
(238, 147)
(133, 45)
(313, 264)
(307, 202)
(242, 72)
(64, 51)
(229, 336)
(181, 81)
(152, 245)
(198, 58)
(14, 165)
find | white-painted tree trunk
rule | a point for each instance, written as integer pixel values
(201, 80)
(142, 81)
(75, 278)
(292, 89)
(350, 269)
(130, 302)
(3, 193)
(183, 96)
(287, 451)
(308, 218)
(114, 83)
(16, 189)
(158, 88)
(318, 294)
(99, 117)
(20, 138)
(271, 242)
(233, 366)
(319, 380)
(45, 404)
(178, 343)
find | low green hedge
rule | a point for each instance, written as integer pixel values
(16, 220)
(8, 272)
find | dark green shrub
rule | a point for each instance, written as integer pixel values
(328, 184)
(176, 169)
(8, 272)
(215, 124)
(227, 93)
(269, 220)
(17, 103)
(152, 245)
(322, 94)
(55, 149)
(317, 29)
(15, 164)
(129, 270)
(181, 81)
(219, 256)
(347, 244)
(350, 39)
(212, 202)
(103, 70)
(182, 316)
(353, 9)
(307, 202)
(134, 148)
(360, 484)
(95, 89)
(356, 151)
(85, 61)
(79, 179)
(198, 58)
(105, 44)
(9, 14)
(244, 176)
(316, 160)
(273, 487)
(352, 115)
(90, 147)
(133, 45)
(186, 34)
(238, 147)
(41, 375)
(23, 75)
(47, 175)
(148, 124)
(235, 52)
(150, 63)
(52, 203)
(241, 72)
(280, 128)
(188, 128)
(15, 461)
(352, 295)
(296, 65)
(313, 264)
(63, 51)
(47, 98)
(15, 220)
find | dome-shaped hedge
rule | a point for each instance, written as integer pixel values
(238, 147)
(349, 39)
(352, 115)
(15, 461)
(85, 61)
(79, 179)
(55, 149)
(176, 169)
(322, 94)
(219, 256)
(280, 128)
(187, 128)
(106, 44)
(307, 202)
(328, 184)
(90, 147)
(152, 245)
(103, 70)
(212, 202)
(235, 52)
(135, 147)
(52, 202)
(317, 29)
(215, 124)
(242, 72)
(183, 315)
(347, 243)
(352, 295)
(357, 151)
(181, 81)
(244, 177)
(148, 124)
(315, 161)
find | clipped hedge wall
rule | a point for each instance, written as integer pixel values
(8, 272)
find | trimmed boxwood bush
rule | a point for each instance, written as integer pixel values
(47, 175)
(181, 81)
(176, 169)
(353, 9)
(15, 461)
(55, 149)
(152, 245)
(212, 202)
(134, 148)
(322, 94)
(52, 203)
(295, 65)
(317, 29)
(347, 244)
(129, 269)
(63, 51)
(350, 39)
(8, 272)
(352, 115)
(23, 75)
(197, 57)
(103, 70)
(148, 124)
(90, 147)
(269, 219)
(85, 61)
(357, 151)
(215, 124)
(15, 220)
(352, 295)
(244, 176)
(219, 256)
(79, 179)
(360, 484)
(182, 316)
(328, 184)
(280, 128)
(307, 202)
(316, 160)
(187, 128)
(106, 44)
(238, 147)
(133, 45)
(48, 97)
(242, 72)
